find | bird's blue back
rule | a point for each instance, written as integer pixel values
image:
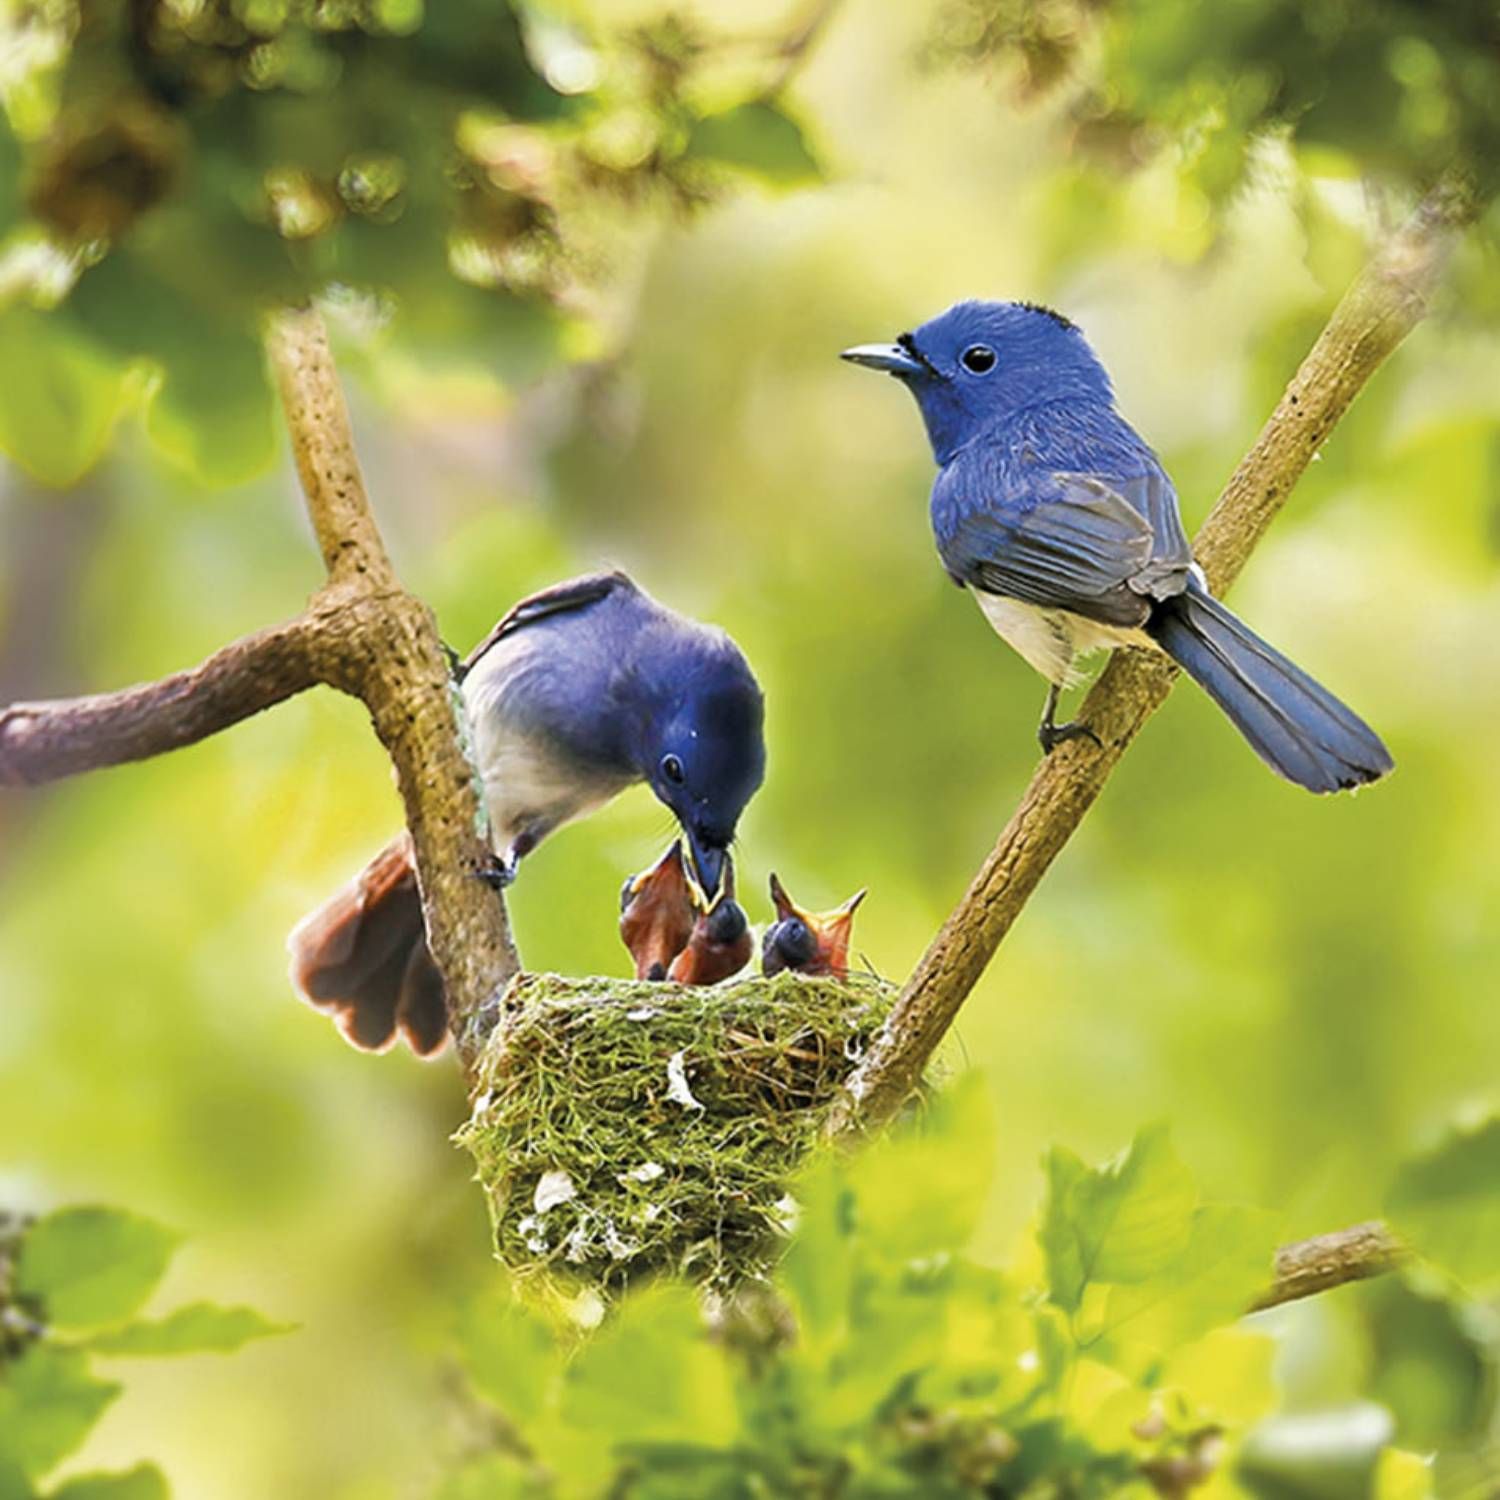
(1026, 449)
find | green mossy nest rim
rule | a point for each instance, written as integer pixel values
(622, 1128)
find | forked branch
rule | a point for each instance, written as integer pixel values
(363, 634)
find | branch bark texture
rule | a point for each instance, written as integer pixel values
(363, 634)
(1317, 1265)
(1386, 301)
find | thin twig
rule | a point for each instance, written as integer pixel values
(1386, 301)
(1328, 1260)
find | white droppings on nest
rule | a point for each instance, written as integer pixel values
(554, 1187)
(533, 1235)
(648, 1171)
(576, 1247)
(619, 1247)
(587, 1309)
(788, 1213)
(677, 1084)
(641, 1013)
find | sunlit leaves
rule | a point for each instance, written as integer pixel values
(200, 1328)
(88, 1266)
(760, 138)
(817, 1269)
(287, 149)
(49, 1400)
(1446, 1203)
(62, 397)
(512, 1354)
(883, 1363)
(1226, 1260)
(495, 1476)
(1126, 1221)
(144, 1482)
(651, 1376)
(210, 408)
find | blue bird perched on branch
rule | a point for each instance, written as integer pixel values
(1053, 511)
(580, 691)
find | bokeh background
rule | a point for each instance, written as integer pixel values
(1304, 988)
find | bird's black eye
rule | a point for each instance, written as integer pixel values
(978, 359)
(671, 769)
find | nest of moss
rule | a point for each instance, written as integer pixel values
(622, 1128)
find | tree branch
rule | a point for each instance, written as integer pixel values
(362, 633)
(1386, 301)
(63, 736)
(398, 668)
(1317, 1265)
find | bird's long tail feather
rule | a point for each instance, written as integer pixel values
(363, 956)
(1297, 727)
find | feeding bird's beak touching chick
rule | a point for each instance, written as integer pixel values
(657, 912)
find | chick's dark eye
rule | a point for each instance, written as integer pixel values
(671, 768)
(978, 359)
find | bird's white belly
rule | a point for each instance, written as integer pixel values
(529, 790)
(1052, 640)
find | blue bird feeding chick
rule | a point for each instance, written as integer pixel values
(1053, 511)
(579, 692)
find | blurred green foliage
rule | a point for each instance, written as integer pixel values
(183, 164)
(1304, 988)
(71, 1284)
(886, 1363)
(1394, 89)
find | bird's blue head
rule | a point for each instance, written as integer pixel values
(981, 362)
(703, 752)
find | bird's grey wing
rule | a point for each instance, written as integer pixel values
(1153, 496)
(574, 593)
(1085, 548)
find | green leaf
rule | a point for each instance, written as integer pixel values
(513, 1357)
(93, 1265)
(63, 396)
(1227, 1259)
(144, 1482)
(1223, 1379)
(48, 1403)
(13, 1482)
(1446, 1204)
(921, 1190)
(1403, 1476)
(1126, 1221)
(200, 1328)
(817, 1271)
(211, 411)
(650, 1375)
(496, 1476)
(759, 138)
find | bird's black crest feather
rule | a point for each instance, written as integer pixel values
(1048, 312)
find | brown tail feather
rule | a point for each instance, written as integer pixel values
(363, 956)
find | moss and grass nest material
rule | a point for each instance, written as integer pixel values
(622, 1128)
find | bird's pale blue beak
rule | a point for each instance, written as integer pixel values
(891, 358)
(708, 865)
